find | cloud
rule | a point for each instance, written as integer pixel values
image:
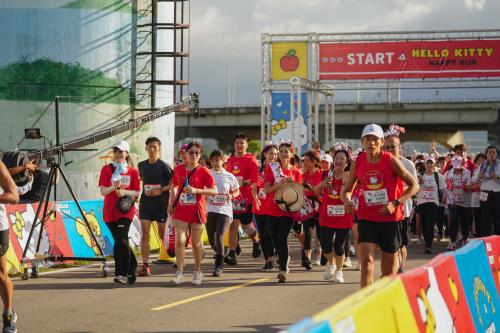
(226, 33)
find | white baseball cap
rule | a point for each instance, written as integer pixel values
(373, 129)
(326, 157)
(122, 145)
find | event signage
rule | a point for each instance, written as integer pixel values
(409, 59)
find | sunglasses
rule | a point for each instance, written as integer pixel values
(193, 153)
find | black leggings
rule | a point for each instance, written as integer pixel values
(216, 226)
(327, 243)
(267, 242)
(460, 216)
(281, 227)
(125, 262)
(429, 213)
(490, 214)
(442, 222)
(308, 226)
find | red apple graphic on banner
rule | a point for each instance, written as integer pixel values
(289, 62)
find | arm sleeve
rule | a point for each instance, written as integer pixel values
(234, 183)
(208, 179)
(254, 171)
(169, 173)
(175, 177)
(105, 176)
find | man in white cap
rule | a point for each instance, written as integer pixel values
(392, 144)
(380, 210)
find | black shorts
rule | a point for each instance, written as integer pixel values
(385, 234)
(158, 215)
(245, 218)
(4, 242)
(403, 229)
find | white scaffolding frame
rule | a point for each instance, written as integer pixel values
(314, 91)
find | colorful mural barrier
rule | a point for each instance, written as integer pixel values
(65, 232)
(455, 292)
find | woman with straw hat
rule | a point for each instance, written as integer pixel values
(282, 181)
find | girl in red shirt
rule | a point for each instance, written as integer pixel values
(191, 183)
(116, 180)
(311, 178)
(333, 219)
(260, 208)
(281, 222)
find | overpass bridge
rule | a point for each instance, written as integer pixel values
(440, 121)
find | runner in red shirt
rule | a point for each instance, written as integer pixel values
(245, 168)
(281, 221)
(260, 208)
(333, 219)
(191, 183)
(311, 177)
(120, 179)
(380, 211)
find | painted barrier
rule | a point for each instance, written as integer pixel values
(65, 232)
(455, 292)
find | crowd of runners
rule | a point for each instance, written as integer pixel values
(336, 203)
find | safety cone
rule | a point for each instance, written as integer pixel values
(164, 258)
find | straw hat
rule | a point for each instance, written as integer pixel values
(290, 196)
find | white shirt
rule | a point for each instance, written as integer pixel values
(410, 167)
(474, 197)
(490, 184)
(457, 195)
(4, 221)
(226, 183)
(429, 190)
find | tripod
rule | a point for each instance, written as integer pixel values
(56, 169)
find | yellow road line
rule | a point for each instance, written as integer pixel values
(213, 293)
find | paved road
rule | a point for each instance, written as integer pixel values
(244, 299)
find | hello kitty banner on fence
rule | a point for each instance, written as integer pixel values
(281, 128)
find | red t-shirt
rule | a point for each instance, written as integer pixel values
(332, 212)
(244, 168)
(189, 208)
(312, 179)
(468, 164)
(273, 208)
(130, 181)
(379, 185)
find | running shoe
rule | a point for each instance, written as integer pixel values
(9, 323)
(120, 279)
(145, 271)
(329, 272)
(282, 276)
(428, 250)
(256, 252)
(347, 262)
(306, 263)
(339, 277)
(197, 277)
(317, 261)
(178, 278)
(451, 246)
(269, 266)
(217, 272)
(131, 279)
(230, 259)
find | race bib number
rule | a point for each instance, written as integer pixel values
(375, 198)
(148, 188)
(483, 196)
(125, 181)
(187, 199)
(335, 210)
(217, 200)
(429, 195)
(262, 194)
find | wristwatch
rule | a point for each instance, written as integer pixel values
(397, 202)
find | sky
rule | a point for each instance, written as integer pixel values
(225, 34)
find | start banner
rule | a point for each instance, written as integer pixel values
(409, 59)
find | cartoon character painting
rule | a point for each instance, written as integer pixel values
(83, 231)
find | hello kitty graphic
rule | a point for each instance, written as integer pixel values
(374, 180)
